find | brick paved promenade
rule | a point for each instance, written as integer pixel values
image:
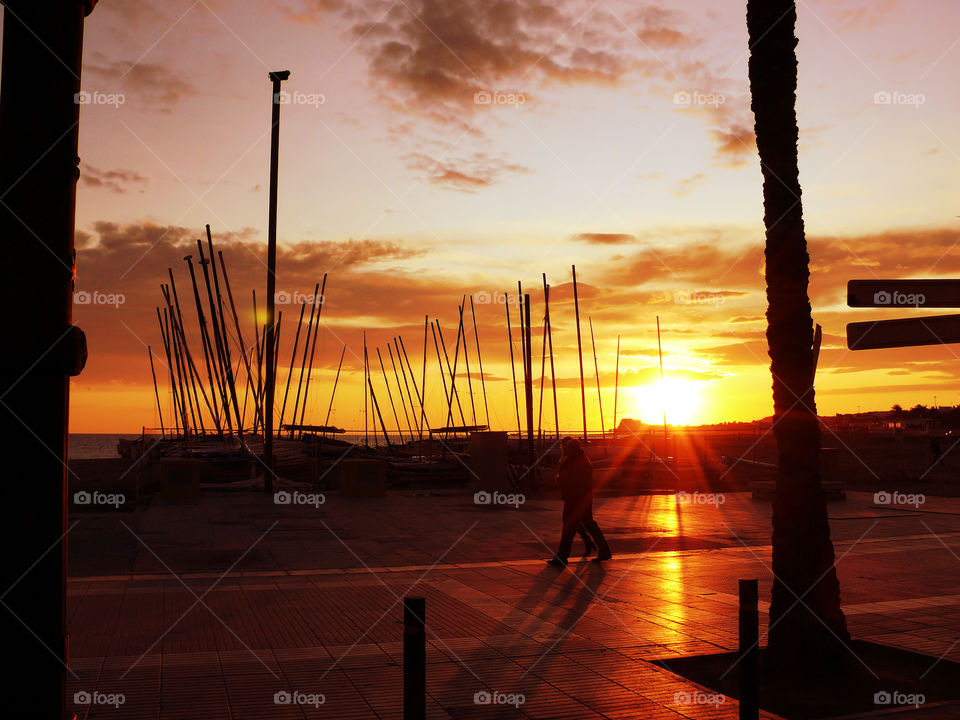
(209, 608)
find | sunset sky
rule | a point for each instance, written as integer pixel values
(623, 144)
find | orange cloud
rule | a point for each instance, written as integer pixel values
(735, 145)
(151, 85)
(117, 181)
(467, 174)
(605, 238)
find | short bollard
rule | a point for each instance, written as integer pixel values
(749, 650)
(414, 659)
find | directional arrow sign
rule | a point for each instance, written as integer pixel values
(904, 293)
(934, 330)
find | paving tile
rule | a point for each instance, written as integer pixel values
(305, 615)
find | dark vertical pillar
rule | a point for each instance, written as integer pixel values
(39, 121)
(583, 394)
(553, 372)
(414, 659)
(749, 650)
(513, 365)
(528, 376)
(275, 78)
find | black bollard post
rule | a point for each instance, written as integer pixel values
(749, 650)
(414, 659)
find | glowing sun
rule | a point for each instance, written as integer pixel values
(679, 398)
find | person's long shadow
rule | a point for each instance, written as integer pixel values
(533, 647)
(548, 593)
(583, 583)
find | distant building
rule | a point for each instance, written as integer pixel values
(907, 426)
(855, 422)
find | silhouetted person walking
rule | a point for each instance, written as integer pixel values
(588, 546)
(575, 477)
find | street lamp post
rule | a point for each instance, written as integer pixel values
(275, 78)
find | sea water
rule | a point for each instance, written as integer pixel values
(89, 446)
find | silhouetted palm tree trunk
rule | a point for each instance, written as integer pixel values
(803, 556)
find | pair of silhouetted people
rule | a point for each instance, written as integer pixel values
(575, 477)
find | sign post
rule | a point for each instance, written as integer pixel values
(904, 332)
